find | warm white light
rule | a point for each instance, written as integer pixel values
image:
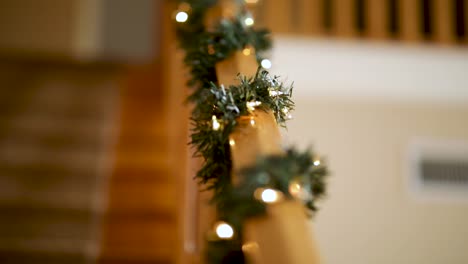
(273, 93)
(270, 196)
(181, 17)
(232, 142)
(285, 110)
(252, 121)
(246, 51)
(249, 247)
(249, 21)
(216, 124)
(251, 105)
(266, 64)
(224, 230)
(295, 189)
(317, 162)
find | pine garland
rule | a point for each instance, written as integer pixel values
(273, 172)
(214, 117)
(226, 105)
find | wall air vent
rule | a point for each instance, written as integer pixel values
(438, 170)
(433, 172)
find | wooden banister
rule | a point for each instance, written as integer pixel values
(283, 235)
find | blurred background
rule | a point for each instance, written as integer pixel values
(94, 166)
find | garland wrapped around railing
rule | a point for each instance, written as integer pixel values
(216, 112)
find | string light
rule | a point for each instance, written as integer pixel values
(252, 121)
(295, 189)
(181, 17)
(246, 51)
(286, 112)
(183, 11)
(266, 64)
(317, 162)
(299, 188)
(249, 247)
(269, 196)
(232, 142)
(273, 92)
(215, 123)
(251, 105)
(249, 21)
(224, 230)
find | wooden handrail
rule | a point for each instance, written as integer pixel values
(283, 235)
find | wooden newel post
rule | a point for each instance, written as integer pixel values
(283, 235)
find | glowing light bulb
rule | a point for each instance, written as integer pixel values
(232, 142)
(251, 105)
(301, 189)
(295, 189)
(181, 17)
(246, 51)
(224, 230)
(269, 196)
(216, 125)
(249, 21)
(316, 162)
(273, 93)
(252, 121)
(250, 247)
(266, 64)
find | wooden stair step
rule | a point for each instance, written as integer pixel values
(138, 239)
(40, 170)
(141, 160)
(138, 195)
(54, 224)
(72, 159)
(43, 249)
(13, 257)
(47, 124)
(66, 131)
(52, 191)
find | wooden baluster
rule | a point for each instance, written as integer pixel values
(466, 21)
(278, 15)
(344, 18)
(377, 17)
(310, 17)
(410, 20)
(443, 18)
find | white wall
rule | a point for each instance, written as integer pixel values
(369, 216)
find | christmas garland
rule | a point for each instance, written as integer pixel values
(292, 176)
(215, 116)
(216, 112)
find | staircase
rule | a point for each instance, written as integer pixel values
(55, 137)
(140, 225)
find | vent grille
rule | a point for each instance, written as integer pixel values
(438, 170)
(445, 173)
